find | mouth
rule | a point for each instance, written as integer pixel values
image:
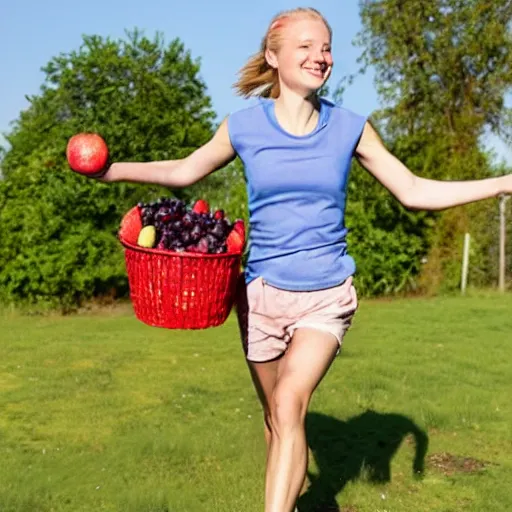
(317, 71)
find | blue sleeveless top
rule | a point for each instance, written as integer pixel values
(297, 187)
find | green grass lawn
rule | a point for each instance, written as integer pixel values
(100, 412)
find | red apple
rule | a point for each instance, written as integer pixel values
(87, 154)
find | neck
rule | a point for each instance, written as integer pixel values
(296, 114)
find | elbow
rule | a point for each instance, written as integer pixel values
(409, 202)
(411, 196)
(181, 182)
(409, 199)
(179, 177)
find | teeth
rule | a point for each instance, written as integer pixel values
(319, 70)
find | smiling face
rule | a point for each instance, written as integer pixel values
(302, 54)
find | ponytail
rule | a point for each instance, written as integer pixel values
(258, 78)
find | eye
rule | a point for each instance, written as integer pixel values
(328, 50)
(304, 46)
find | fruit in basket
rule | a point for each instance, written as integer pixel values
(181, 229)
(201, 206)
(235, 241)
(239, 227)
(147, 237)
(87, 153)
(131, 226)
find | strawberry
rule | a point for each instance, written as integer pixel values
(235, 241)
(239, 227)
(201, 206)
(131, 225)
(219, 214)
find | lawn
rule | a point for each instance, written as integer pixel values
(99, 412)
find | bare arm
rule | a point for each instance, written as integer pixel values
(178, 173)
(420, 193)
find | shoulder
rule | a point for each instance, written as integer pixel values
(348, 124)
(247, 112)
(344, 113)
(370, 142)
(243, 123)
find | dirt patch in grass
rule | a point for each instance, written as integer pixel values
(450, 464)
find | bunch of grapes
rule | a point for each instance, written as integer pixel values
(183, 229)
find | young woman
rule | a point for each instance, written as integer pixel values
(299, 296)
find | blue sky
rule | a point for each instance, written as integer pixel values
(223, 34)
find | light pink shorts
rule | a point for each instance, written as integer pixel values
(268, 316)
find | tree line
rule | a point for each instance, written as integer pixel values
(442, 71)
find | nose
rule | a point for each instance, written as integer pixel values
(317, 55)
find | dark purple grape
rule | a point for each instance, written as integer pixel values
(212, 242)
(173, 215)
(186, 237)
(162, 215)
(168, 239)
(202, 246)
(181, 209)
(218, 231)
(176, 244)
(188, 220)
(196, 233)
(177, 225)
(147, 220)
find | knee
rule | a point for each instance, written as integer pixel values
(287, 410)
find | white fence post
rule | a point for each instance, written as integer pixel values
(465, 264)
(503, 235)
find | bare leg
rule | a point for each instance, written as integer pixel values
(264, 377)
(299, 373)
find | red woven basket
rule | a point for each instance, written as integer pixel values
(177, 290)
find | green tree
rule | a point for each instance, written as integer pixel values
(387, 241)
(442, 71)
(58, 229)
(442, 67)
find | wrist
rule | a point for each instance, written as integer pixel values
(111, 174)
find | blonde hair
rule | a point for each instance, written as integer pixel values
(257, 77)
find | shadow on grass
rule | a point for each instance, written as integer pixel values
(359, 448)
